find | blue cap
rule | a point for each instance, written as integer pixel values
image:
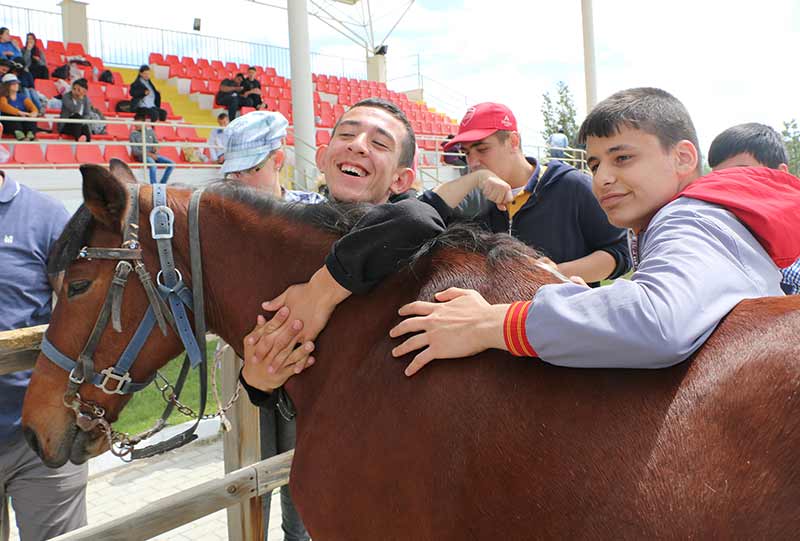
(251, 137)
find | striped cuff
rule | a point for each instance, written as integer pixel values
(514, 330)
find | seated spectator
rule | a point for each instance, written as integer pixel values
(15, 103)
(229, 95)
(62, 86)
(145, 97)
(146, 134)
(26, 84)
(33, 59)
(251, 88)
(218, 139)
(76, 105)
(7, 48)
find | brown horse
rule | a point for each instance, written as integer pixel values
(489, 447)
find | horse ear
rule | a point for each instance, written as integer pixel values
(121, 170)
(104, 195)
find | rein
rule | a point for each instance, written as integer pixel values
(167, 298)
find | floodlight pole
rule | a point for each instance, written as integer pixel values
(302, 94)
(589, 72)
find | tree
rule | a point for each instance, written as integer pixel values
(791, 137)
(559, 112)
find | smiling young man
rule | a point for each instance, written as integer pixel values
(693, 249)
(369, 159)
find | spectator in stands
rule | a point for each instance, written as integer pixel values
(550, 207)
(13, 102)
(47, 502)
(217, 140)
(145, 97)
(251, 89)
(147, 135)
(33, 59)
(254, 156)
(26, 83)
(229, 96)
(558, 143)
(7, 48)
(76, 105)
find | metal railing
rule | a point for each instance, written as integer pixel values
(45, 24)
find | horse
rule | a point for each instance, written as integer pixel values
(486, 447)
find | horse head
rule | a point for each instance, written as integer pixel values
(108, 315)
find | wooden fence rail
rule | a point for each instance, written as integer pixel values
(19, 348)
(168, 513)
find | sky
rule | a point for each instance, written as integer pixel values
(728, 61)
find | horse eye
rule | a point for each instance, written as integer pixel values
(77, 287)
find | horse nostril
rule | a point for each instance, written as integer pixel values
(30, 437)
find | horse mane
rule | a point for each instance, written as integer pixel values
(331, 216)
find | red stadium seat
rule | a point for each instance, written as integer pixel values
(187, 61)
(185, 133)
(270, 71)
(16, 40)
(177, 70)
(170, 113)
(203, 63)
(46, 87)
(198, 85)
(323, 137)
(271, 103)
(117, 78)
(216, 64)
(88, 154)
(75, 49)
(157, 59)
(290, 137)
(120, 132)
(245, 110)
(172, 153)
(171, 59)
(56, 47)
(119, 152)
(28, 154)
(59, 154)
(164, 132)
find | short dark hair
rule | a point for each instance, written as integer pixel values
(252, 68)
(239, 75)
(409, 144)
(81, 82)
(759, 140)
(139, 115)
(651, 110)
(144, 67)
(222, 115)
(3, 30)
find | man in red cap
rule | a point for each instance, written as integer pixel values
(550, 208)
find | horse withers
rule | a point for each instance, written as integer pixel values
(488, 447)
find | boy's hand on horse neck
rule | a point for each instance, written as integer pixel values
(255, 371)
(303, 311)
(461, 324)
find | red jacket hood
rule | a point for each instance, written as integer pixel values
(766, 200)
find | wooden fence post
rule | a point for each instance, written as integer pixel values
(242, 447)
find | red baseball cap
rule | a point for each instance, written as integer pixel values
(481, 121)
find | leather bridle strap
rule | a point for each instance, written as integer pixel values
(195, 256)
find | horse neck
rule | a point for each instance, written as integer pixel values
(249, 258)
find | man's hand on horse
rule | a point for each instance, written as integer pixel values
(461, 324)
(255, 372)
(303, 310)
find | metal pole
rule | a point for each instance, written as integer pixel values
(588, 55)
(302, 93)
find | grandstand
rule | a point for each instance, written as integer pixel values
(188, 88)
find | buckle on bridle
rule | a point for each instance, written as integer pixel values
(161, 229)
(122, 381)
(73, 379)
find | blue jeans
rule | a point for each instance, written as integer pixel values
(167, 171)
(34, 96)
(278, 436)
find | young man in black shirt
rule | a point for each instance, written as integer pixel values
(251, 89)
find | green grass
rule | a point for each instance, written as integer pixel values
(147, 405)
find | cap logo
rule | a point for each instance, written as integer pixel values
(468, 116)
(506, 121)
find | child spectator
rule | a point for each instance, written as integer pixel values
(147, 134)
(218, 139)
(755, 145)
(76, 105)
(13, 102)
